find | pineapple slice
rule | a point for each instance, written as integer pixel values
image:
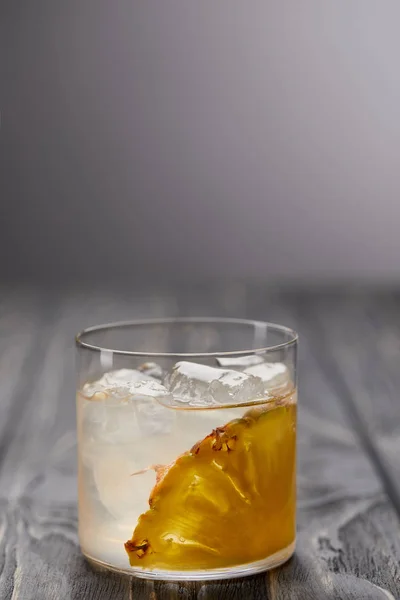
(230, 500)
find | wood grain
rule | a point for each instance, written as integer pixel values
(361, 335)
(349, 533)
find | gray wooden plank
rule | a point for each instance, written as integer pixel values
(361, 334)
(21, 319)
(348, 530)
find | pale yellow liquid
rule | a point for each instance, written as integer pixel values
(114, 485)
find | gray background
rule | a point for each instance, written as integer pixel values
(150, 139)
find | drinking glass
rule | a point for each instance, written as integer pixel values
(187, 446)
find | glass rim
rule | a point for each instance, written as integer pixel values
(80, 343)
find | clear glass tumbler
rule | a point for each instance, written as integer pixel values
(187, 447)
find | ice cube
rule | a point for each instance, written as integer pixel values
(123, 383)
(202, 385)
(117, 409)
(115, 382)
(149, 387)
(110, 420)
(152, 369)
(122, 493)
(273, 375)
(154, 417)
(240, 361)
(122, 377)
(118, 415)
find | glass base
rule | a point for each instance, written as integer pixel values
(273, 561)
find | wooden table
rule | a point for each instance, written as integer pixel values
(349, 441)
